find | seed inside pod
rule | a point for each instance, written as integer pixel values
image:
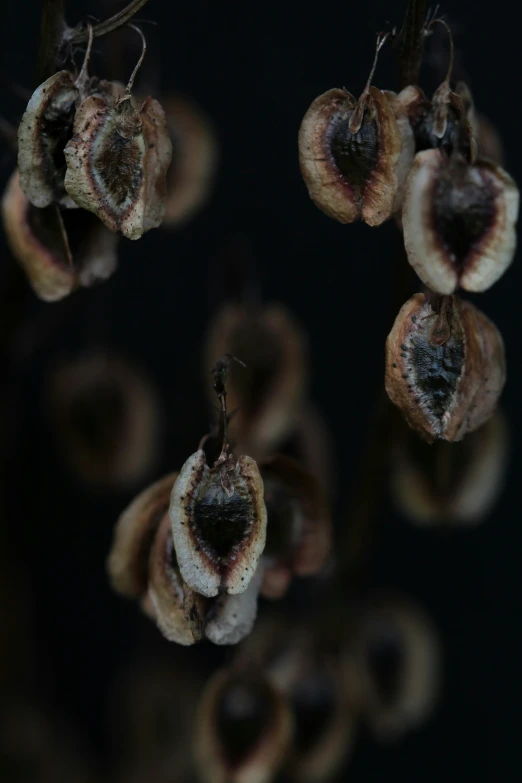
(444, 366)
(459, 222)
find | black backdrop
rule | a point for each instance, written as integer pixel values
(255, 67)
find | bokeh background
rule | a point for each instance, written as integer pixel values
(254, 68)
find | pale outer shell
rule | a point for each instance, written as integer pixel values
(328, 189)
(202, 575)
(425, 251)
(232, 617)
(158, 157)
(127, 563)
(35, 180)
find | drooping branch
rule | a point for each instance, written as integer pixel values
(81, 34)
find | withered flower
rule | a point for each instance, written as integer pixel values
(59, 251)
(351, 154)
(459, 221)
(106, 418)
(266, 396)
(298, 524)
(118, 158)
(397, 656)
(450, 484)
(218, 513)
(445, 366)
(243, 729)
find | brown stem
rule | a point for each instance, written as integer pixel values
(411, 43)
(80, 34)
(53, 29)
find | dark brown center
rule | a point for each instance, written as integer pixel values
(219, 521)
(313, 702)
(385, 659)
(119, 164)
(243, 714)
(437, 369)
(355, 154)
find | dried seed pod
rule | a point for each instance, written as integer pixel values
(243, 729)
(453, 484)
(59, 251)
(117, 161)
(230, 618)
(459, 221)
(350, 154)
(194, 159)
(107, 420)
(444, 366)
(267, 395)
(397, 655)
(298, 524)
(218, 523)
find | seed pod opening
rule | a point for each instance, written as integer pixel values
(230, 618)
(59, 251)
(243, 729)
(445, 366)
(438, 124)
(459, 222)
(218, 523)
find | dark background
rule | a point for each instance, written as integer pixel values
(255, 68)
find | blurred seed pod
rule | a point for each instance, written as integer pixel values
(441, 123)
(450, 484)
(59, 251)
(298, 524)
(243, 729)
(352, 154)
(396, 653)
(445, 366)
(487, 140)
(194, 159)
(459, 221)
(266, 396)
(107, 420)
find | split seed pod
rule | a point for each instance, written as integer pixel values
(117, 161)
(243, 729)
(450, 484)
(350, 154)
(459, 221)
(445, 366)
(59, 251)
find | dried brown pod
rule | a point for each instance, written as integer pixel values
(459, 221)
(117, 161)
(266, 396)
(447, 484)
(243, 729)
(194, 159)
(59, 251)
(298, 524)
(397, 654)
(445, 366)
(350, 154)
(106, 418)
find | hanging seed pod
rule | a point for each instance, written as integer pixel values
(453, 484)
(350, 154)
(298, 524)
(397, 655)
(266, 396)
(117, 160)
(459, 222)
(59, 251)
(445, 366)
(243, 729)
(106, 419)
(194, 159)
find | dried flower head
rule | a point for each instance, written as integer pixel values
(350, 153)
(445, 366)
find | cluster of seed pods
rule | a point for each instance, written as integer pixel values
(424, 162)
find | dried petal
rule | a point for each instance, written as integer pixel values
(231, 617)
(45, 129)
(459, 222)
(117, 162)
(444, 368)
(351, 175)
(219, 523)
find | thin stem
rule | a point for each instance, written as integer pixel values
(79, 35)
(411, 42)
(138, 64)
(53, 30)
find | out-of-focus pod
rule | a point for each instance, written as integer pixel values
(59, 251)
(107, 419)
(396, 652)
(267, 395)
(487, 139)
(243, 728)
(453, 484)
(298, 524)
